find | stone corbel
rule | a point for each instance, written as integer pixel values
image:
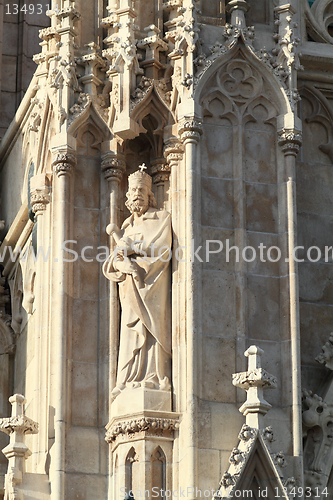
(40, 193)
(16, 426)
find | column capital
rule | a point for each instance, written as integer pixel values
(290, 141)
(39, 193)
(113, 166)
(160, 171)
(173, 152)
(63, 162)
(190, 130)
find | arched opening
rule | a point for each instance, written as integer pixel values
(158, 472)
(131, 471)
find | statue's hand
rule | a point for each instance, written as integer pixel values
(125, 246)
(125, 266)
(112, 229)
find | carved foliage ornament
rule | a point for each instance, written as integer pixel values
(290, 141)
(190, 130)
(63, 163)
(112, 167)
(318, 449)
(142, 424)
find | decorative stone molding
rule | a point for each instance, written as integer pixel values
(236, 456)
(246, 433)
(63, 163)
(113, 167)
(183, 30)
(17, 426)
(255, 378)
(287, 58)
(39, 193)
(39, 199)
(19, 423)
(144, 89)
(326, 357)
(160, 171)
(148, 424)
(268, 434)
(251, 442)
(82, 103)
(190, 130)
(318, 448)
(318, 18)
(173, 152)
(254, 381)
(290, 141)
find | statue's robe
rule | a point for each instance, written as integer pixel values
(145, 332)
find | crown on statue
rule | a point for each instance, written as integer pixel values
(140, 176)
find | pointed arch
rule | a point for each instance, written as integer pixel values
(240, 51)
(89, 113)
(154, 105)
(317, 118)
(158, 470)
(131, 458)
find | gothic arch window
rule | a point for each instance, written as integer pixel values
(158, 472)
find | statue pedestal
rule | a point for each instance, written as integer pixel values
(131, 401)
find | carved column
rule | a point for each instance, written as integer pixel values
(160, 172)
(190, 131)
(290, 142)
(63, 163)
(40, 198)
(16, 426)
(113, 167)
(173, 153)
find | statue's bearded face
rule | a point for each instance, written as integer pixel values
(138, 198)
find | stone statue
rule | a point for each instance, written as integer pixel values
(141, 267)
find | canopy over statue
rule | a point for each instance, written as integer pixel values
(140, 265)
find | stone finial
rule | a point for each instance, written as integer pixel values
(254, 381)
(16, 452)
(237, 9)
